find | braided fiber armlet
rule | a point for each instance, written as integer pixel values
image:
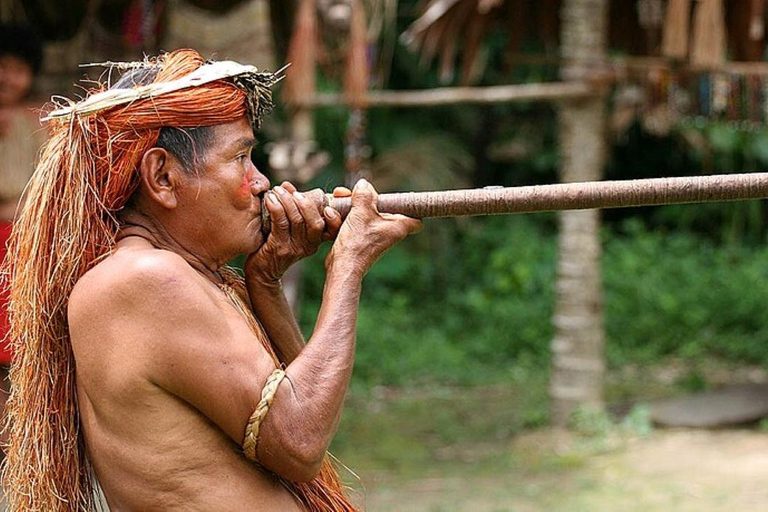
(254, 422)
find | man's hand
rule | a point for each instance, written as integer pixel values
(297, 231)
(367, 234)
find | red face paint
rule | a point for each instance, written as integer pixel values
(244, 191)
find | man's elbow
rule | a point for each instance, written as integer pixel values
(299, 462)
(304, 473)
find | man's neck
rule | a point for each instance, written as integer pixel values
(136, 224)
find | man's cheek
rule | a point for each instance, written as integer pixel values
(244, 190)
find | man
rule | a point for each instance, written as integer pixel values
(194, 389)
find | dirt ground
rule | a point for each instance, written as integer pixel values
(681, 470)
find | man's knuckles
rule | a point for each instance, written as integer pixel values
(317, 225)
(281, 222)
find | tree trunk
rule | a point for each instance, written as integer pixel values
(578, 359)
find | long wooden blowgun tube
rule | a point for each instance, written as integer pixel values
(562, 196)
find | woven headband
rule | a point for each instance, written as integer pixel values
(255, 84)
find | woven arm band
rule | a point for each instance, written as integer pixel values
(254, 422)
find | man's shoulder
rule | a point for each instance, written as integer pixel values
(134, 277)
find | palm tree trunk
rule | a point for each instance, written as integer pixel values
(578, 359)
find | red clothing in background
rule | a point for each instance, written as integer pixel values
(5, 351)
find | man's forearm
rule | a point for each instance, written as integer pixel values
(307, 408)
(273, 311)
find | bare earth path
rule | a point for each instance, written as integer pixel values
(683, 470)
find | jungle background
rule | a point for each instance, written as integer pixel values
(449, 406)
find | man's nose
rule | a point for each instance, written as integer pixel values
(259, 183)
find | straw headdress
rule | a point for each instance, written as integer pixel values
(86, 174)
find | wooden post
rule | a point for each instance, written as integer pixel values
(579, 344)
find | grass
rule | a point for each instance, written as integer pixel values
(417, 430)
(438, 447)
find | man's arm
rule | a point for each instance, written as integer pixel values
(202, 352)
(297, 231)
(274, 312)
(305, 413)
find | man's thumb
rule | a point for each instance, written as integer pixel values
(364, 194)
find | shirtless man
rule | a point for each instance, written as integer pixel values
(168, 371)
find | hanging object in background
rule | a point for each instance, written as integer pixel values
(334, 26)
(382, 34)
(141, 25)
(675, 38)
(739, 100)
(650, 15)
(709, 35)
(300, 80)
(549, 25)
(444, 24)
(660, 117)
(356, 76)
(357, 152)
(472, 62)
(746, 29)
(123, 30)
(720, 95)
(295, 161)
(757, 20)
(356, 73)
(449, 46)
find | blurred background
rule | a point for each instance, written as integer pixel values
(574, 361)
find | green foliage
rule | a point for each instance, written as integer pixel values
(598, 432)
(590, 422)
(419, 429)
(423, 320)
(695, 149)
(471, 303)
(679, 294)
(638, 421)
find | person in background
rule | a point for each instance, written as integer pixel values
(21, 136)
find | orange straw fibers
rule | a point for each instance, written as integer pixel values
(86, 173)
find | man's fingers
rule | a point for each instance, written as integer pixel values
(312, 218)
(291, 210)
(287, 185)
(341, 192)
(411, 225)
(364, 195)
(280, 224)
(333, 223)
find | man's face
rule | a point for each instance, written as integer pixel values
(15, 79)
(224, 198)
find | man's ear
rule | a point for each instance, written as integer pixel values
(161, 176)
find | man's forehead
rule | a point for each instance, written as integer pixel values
(237, 134)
